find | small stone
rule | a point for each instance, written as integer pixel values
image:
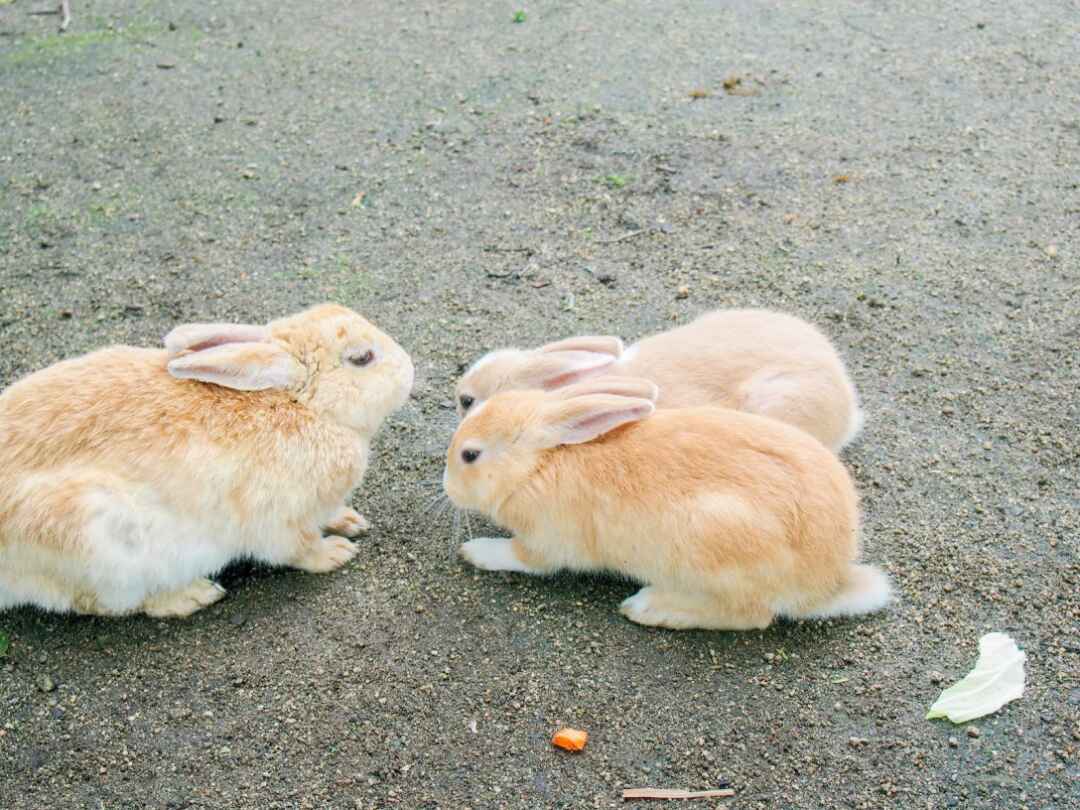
(936, 677)
(682, 292)
(857, 742)
(953, 742)
(973, 732)
(46, 684)
(1051, 251)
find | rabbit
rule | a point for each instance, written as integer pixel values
(752, 360)
(729, 519)
(130, 475)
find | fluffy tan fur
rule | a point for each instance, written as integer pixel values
(123, 487)
(756, 361)
(729, 518)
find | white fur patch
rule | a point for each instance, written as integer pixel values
(628, 356)
(494, 554)
(854, 429)
(868, 590)
(639, 606)
(490, 357)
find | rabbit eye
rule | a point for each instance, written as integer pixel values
(469, 456)
(466, 402)
(362, 359)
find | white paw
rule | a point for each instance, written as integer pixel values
(494, 554)
(178, 604)
(348, 523)
(638, 608)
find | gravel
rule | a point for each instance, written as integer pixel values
(904, 175)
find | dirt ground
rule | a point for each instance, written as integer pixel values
(903, 174)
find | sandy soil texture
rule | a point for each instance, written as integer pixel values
(906, 175)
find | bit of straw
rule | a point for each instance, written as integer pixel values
(676, 793)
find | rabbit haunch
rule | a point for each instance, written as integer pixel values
(756, 361)
(129, 475)
(729, 519)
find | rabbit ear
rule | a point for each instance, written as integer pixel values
(193, 337)
(599, 344)
(582, 419)
(620, 386)
(243, 366)
(549, 370)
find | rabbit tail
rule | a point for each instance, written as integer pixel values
(865, 589)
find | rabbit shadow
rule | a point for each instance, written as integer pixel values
(254, 590)
(584, 607)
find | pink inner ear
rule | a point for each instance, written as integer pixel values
(220, 340)
(197, 337)
(582, 366)
(598, 423)
(245, 366)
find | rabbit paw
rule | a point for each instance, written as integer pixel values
(640, 608)
(185, 601)
(655, 608)
(495, 554)
(326, 554)
(682, 611)
(347, 523)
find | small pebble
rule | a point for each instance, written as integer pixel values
(973, 732)
(1052, 251)
(953, 742)
(682, 292)
(936, 677)
(46, 684)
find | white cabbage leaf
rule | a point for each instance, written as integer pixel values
(998, 677)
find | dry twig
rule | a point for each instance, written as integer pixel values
(676, 793)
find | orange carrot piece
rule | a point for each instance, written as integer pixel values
(571, 739)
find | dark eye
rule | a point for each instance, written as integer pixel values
(469, 456)
(466, 402)
(362, 359)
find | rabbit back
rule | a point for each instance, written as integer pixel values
(758, 361)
